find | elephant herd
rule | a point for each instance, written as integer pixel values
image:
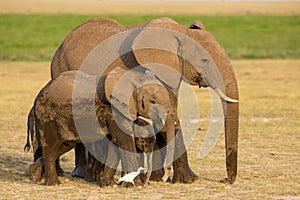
(113, 96)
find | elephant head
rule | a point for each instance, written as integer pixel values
(138, 93)
(194, 54)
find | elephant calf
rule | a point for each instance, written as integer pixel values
(55, 118)
(54, 125)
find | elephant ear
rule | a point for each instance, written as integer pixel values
(197, 25)
(119, 91)
(154, 49)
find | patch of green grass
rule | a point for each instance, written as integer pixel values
(36, 37)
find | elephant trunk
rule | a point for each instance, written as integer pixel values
(221, 77)
(149, 166)
(231, 113)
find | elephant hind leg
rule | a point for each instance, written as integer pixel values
(89, 168)
(51, 154)
(36, 170)
(51, 177)
(53, 147)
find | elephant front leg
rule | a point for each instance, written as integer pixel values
(126, 144)
(130, 163)
(158, 158)
(182, 171)
(111, 164)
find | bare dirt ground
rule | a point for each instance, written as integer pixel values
(269, 142)
(112, 7)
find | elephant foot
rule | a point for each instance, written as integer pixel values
(89, 177)
(106, 182)
(184, 175)
(227, 181)
(52, 181)
(79, 172)
(157, 175)
(36, 171)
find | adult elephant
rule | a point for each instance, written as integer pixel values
(211, 67)
(64, 118)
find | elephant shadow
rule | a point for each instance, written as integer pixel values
(14, 168)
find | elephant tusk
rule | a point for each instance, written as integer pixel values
(224, 97)
(149, 121)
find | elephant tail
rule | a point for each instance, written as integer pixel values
(30, 129)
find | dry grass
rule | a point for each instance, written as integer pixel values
(108, 7)
(269, 140)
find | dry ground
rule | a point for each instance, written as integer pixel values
(269, 165)
(109, 7)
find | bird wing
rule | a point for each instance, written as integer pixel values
(128, 177)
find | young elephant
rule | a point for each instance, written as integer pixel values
(33, 139)
(55, 117)
(54, 126)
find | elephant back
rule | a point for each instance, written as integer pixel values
(77, 45)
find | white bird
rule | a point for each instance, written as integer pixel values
(130, 176)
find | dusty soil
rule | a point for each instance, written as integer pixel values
(112, 7)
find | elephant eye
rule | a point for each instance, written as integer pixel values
(153, 101)
(205, 60)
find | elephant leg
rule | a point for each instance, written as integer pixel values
(60, 171)
(182, 171)
(39, 154)
(94, 169)
(36, 169)
(50, 154)
(50, 144)
(128, 152)
(98, 171)
(51, 177)
(158, 159)
(80, 161)
(89, 168)
(53, 147)
(111, 164)
(130, 160)
(102, 151)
